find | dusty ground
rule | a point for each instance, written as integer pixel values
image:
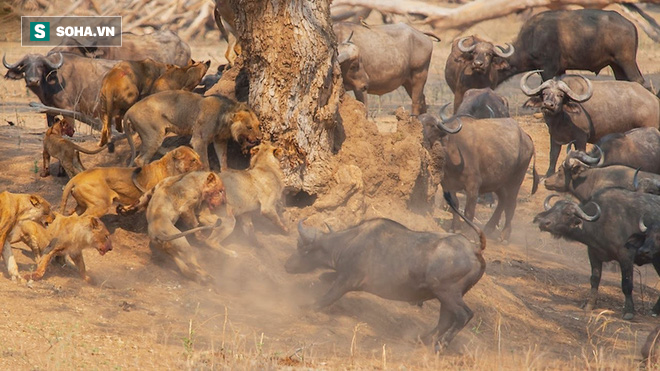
(143, 314)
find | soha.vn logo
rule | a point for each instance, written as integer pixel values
(39, 31)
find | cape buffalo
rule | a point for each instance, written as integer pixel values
(382, 257)
(585, 39)
(474, 63)
(637, 148)
(379, 59)
(604, 107)
(605, 223)
(482, 104)
(162, 46)
(487, 155)
(63, 80)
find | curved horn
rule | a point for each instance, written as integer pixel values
(341, 57)
(490, 110)
(590, 160)
(442, 125)
(305, 234)
(569, 146)
(10, 66)
(529, 91)
(348, 39)
(55, 65)
(590, 218)
(442, 112)
(329, 227)
(642, 226)
(499, 50)
(636, 180)
(463, 48)
(573, 95)
(546, 202)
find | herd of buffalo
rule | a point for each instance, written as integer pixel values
(151, 86)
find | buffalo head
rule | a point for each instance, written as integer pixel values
(34, 68)
(352, 69)
(433, 129)
(553, 96)
(481, 54)
(310, 254)
(574, 165)
(564, 216)
(646, 242)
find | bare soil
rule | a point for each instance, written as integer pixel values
(142, 313)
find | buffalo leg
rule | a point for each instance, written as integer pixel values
(656, 264)
(462, 315)
(444, 322)
(415, 90)
(555, 148)
(627, 288)
(596, 271)
(471, 195)
(340, 287)
(627, 70)
(497, 214)
(361, 95)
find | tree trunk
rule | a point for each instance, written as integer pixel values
(288, 49)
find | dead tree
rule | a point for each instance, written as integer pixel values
(288, 50)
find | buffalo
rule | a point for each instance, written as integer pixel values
(474, 63)
(379, 59)
(162, 46)
(383, 257)
(609, 224)
(482, 104)
(481, 156)
(585, 39)
(64, 81)
(637, 148)
(603, 108)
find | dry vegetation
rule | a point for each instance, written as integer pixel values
(144, 314)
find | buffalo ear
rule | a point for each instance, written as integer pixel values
(500, 63)
(635, 241)
(14, 75)
(34, 200)
(533, 102)
(577, 170)
(572, 107)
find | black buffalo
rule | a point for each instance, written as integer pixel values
(482, 104)
(64, 81)
(383, 257)
(608, 224)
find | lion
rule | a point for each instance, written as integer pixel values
(208, 119)
(64, 150)
(68, 236)
(95, 190)
(258, 188)
(174, 198)
(15, 208)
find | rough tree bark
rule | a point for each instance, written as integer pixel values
(295, 82)
(473, 12)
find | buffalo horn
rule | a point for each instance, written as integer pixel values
(348, 39)
(329, 227)
(636, 180)
(642, 226)
(442, 112)
(499, 50)
(10, 66)
(574, 96)
(529, 91)
(590, 160)
(590, 218)
(463, 48)
(305, 233)
(55, 65)
(546, 202)
(442, 125)
(490, 110)
(569, 146)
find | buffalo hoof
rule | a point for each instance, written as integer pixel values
(588, 305)
(628, 316)
(653, 314)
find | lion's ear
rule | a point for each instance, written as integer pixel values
(212, 178)
(34, 200)
(278, 153)
(254, 150)
(95, 223)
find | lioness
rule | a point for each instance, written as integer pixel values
(95, 190)
(69, 235)
(14, 208)
(64, 150)
(208, 119)
(259, 188)
(174, 198)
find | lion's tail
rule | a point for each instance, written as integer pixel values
(65, 195)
